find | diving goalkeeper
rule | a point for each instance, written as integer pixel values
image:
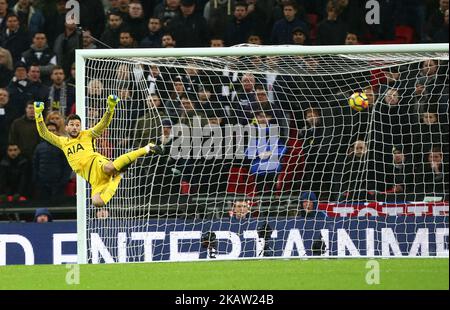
(79, 147)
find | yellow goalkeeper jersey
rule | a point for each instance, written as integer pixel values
(80, 152)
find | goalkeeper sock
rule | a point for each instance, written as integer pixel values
(110, 190)
(128, 158)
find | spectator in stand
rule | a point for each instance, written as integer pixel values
(167, 10)
(299, 36)
(216, 13)
(239, 27)
(31, 19)
(51, 172)
(436, 20)
(163, 169)
(54, 117)
(332, 30)
(70, 81)
(309, 206)
(263, 103)
(92, 16)
(259, 19)
(276, 11)
(168, 41)
(189, 28)
(23, 132)
(156, 83)
(282, 29)
(192, 80)
(148, 126)
(353, 13)
(362, 119)
(65, 45)
(393, 121)
(432, 130)
(102, 213)
(126, 39)
(6, 67)
(55, 17)
(435, 79)
(38, 90)
(154, 34)
(19, 88)
(216, 42)
(441, 35)
(351, 39)
(124, 9)
(266, 154)
(350, 180)
(434, 175)
(189, 116)
(42, 216)
(420, 97)
(7, 115)
(111, 36)
(61, 96)
(14, 175)
(241, 210)
(243, 99)
(136, 21)
(4, 11)
(312, 135)
(13, 38)
(396, 180)
(88, 41)
(255, 38)
(173, 101)
(111, 5)
(41, 54)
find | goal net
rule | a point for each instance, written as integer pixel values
(263, 155)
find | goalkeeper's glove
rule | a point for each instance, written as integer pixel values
(112, 101)
(38, 108)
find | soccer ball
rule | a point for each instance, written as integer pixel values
(358, 102)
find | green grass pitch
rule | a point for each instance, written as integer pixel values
(297, 274)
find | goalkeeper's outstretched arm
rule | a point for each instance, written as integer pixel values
(98, 129)
(42, 128)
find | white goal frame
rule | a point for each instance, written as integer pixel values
(82, 55)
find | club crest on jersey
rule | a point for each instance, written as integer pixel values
(72, 150)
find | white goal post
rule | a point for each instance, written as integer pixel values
(147, 221)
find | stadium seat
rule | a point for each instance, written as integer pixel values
(396, 41)
(71, 188)
(405, 33)
(313, 20)
(240, 182)
(293, 165)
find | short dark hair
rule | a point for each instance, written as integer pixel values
(72, 117)
(436, 149)
(114, 12)
(241, 3)
(40, 32)
(127, 30)
(57, 68)
(259, 86)
(12, 15)
(291, 3)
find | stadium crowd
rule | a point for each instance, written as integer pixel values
(37, 64)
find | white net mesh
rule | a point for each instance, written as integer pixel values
(264, 157)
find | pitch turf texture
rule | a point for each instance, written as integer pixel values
(265, 275)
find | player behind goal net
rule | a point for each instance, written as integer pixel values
(307, 154)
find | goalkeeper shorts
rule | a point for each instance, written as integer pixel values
(98, 179)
